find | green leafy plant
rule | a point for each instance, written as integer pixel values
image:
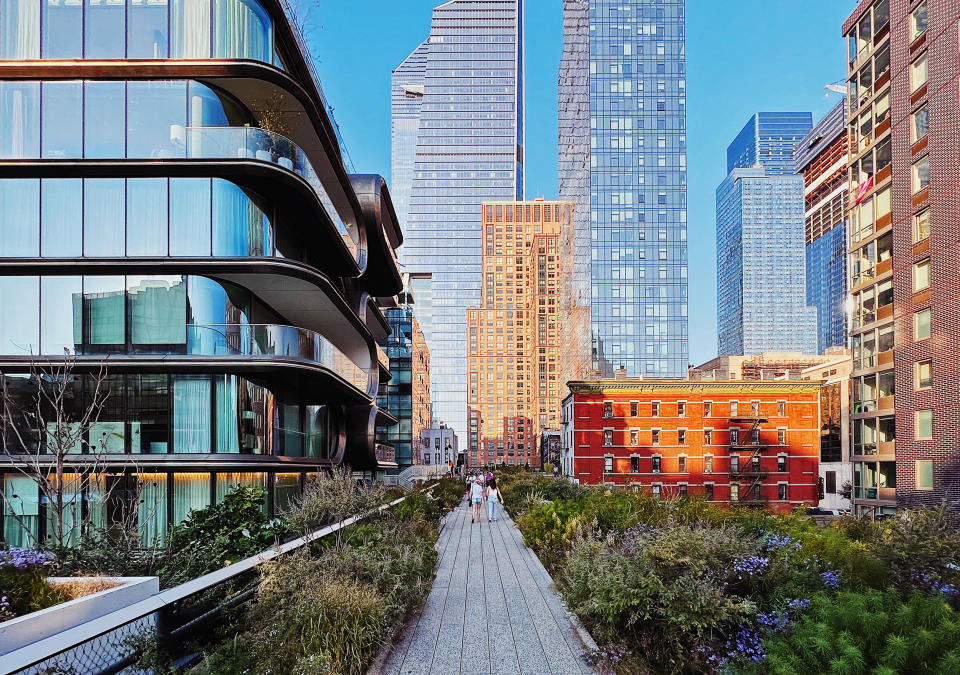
(23, 583)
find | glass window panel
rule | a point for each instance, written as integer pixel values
(229, 420)
(20, 298)
(106, 29)
(921, 123)
(148, 30)
(285, 491)
(21, 515)
(152, 508)
(64, 527)
(318, 436)
(189, 216)
(103, 122)
(925, 474)
(190, 29)
(108, 433)
(918, 73)
(290, 429)
(147, 216)
(191, 491)
(60, 317)
(242, 30)
(61, 217)
(103, 311)
(62, 29)
(20, 217)
(148, 402)
(158, 310)
(238, 224)
(156, 119)
(20, 114)
(213, 303)
(104, 202)
(228, 482)
(922, 325)
(924, 424)
(191, 414)
(20, 29)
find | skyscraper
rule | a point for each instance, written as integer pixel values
(821, 159)
(406, 96)
(622, 145)
(761, 273)
(469, 150)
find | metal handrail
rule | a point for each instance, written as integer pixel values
(51, 647)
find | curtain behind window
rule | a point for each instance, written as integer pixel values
(152, 508)
(20, 29)
(190, 491)
(21, 511)
(190, 29)
(191, 414)
(228, 415)
(242, 31)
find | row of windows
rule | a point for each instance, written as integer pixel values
(708, 439)
(656, 464)
(608, 409)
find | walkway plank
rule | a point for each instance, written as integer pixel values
(492, 609)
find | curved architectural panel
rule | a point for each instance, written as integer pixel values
(176, 119)
(381, 276)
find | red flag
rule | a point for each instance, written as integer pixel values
(864, 188)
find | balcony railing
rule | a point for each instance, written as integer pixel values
(269, 340)
(266, 146)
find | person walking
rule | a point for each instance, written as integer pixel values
(493, 499)
(476, 499)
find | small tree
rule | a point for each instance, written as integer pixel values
(52, 443)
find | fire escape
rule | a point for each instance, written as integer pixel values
(748, 472)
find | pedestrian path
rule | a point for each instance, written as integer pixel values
(492, 609)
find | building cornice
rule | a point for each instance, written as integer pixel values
(693, 386)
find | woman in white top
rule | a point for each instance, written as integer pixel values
(493, 498)
(476, 499)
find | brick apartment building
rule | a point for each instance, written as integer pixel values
(904, 201)
(515, 347)
(754, 443)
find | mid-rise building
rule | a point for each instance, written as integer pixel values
(438, 445)
(550, 448)
(821, 158)
(515, 351)
(407, 392)
(176, 216)
(904, 187)
(753, 443)
(836, 470)
(622, 160)
(766, 366)
(761, 274)
(469, 149)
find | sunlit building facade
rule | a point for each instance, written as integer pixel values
(469, 149)
(176, 216)
(622, 159)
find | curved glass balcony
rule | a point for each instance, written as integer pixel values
(270, 340)
(266, 146)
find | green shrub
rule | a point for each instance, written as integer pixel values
(870, 632)
(23, 583)
(448, 493)
(332, 497)
(218, 535)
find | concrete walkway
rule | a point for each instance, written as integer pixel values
(492, 609)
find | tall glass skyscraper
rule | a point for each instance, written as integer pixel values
(469, 149)
(623, 72)
(761, 274)
(406, 96)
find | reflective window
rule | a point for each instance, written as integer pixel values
(105, 32)
(20, 29)
(20, 298)
(103, 123)
(61, 217)
(158, 310)
(104, 320)
(147, 216)
(62, 115)
(148, 403)
(190, 29)
(62, 29)
(190, 491)
(147, 37)
(20, 112)
(22, 498)
(103, 217)
(239, 226)
(242, 30)
(20, 216)
(290, 430)
(189, 217)
(156, 119)
(152, 513)
(191, 414)
(108, 433)
(228, 482)
(60, 327)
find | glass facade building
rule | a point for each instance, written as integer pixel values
(827, 286)
(761, 268)
(469, 149)
(216, 306)
(622, 125)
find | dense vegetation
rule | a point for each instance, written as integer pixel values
(681, 586)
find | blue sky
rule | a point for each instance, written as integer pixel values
(742, 56)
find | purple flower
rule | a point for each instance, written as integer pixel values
(798, 603)
(746, 643)
(831, 579)
(755, 564)
(777, 542)
(945, 589)
(775, 621)
(23, 558)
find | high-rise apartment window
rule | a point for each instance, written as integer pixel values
(921, 324)
(923, 374)
(918, 72)
(608, 464)
(918, 20)
(921, 275)
(608, 437)
(708, 409)
(634, 408)
(708, 463)
(655, 436)
(781, 436)
(682, 463)
(682, 436)
(781, 463)
(634, 465)
(924, 474)
(682, 409)
(655, 463)
(923, 425)
(734, 492)
(655, 409)
(708, 492)
(920, 123)
(708, 436)
(921, 226)
(782, 491)
(608, 409)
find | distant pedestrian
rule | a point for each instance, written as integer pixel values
(493, 499)
(476, 499)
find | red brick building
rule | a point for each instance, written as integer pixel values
(730, 441)
(904, 207)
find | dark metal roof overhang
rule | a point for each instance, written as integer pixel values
(181, 461)
(287, 190)
(302, 295)
(382, 275)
